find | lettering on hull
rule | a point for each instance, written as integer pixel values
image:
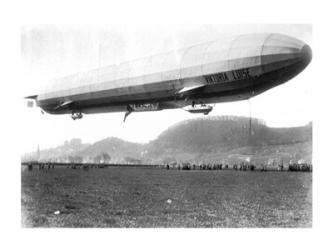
(217, 78)
(241, 74)
(234, 75)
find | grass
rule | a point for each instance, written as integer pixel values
(137, 197)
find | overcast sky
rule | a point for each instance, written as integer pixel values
(49, 52)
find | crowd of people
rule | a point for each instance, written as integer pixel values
(304, 167)
(243, 166)
(41, 166)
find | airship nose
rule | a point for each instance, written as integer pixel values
(306, 54)
(285, 54)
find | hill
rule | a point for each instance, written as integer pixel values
(119, 150)
(210, 139)
(229, 138)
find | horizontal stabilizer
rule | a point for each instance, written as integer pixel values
(64, 104)
(31, 97)
(191, 88)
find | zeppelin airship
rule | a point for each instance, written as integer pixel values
(229, 69)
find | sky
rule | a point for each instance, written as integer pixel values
(49, 52)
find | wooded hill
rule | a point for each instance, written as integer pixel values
(209, 139)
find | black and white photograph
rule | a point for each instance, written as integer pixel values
(178, 126)
(166, 124)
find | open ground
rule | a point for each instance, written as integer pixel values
(152, 197)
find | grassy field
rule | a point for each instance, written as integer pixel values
(143, 197)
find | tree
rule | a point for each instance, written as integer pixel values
(102, 158)
(132, 160)
(105, 157)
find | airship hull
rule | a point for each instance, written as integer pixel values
(230, 69)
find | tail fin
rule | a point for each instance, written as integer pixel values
(31, 102)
